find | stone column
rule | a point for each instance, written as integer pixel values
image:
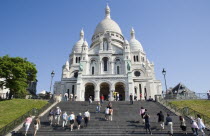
(97, 97)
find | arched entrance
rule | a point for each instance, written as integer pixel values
(120, 88)
(104, 90)
(89, 91)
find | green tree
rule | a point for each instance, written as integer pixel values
(17, 72)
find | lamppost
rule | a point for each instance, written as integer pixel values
(164, 74)
(52, 75)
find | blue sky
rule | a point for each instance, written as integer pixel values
(174, 34)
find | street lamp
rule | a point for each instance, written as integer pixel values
(52, 75)
(164, 74)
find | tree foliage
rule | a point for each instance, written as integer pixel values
(17, 72)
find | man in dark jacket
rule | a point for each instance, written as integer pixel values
(161, 119)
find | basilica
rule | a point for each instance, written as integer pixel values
(109, 65)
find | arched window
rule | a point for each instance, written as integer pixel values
(118, 69)
(92, 70)
(79, 59)
(105, 45)
(134, 58)
(105, 60)
(137, 58)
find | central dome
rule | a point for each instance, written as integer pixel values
(107, 24)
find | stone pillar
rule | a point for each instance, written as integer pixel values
(97, 97)
(111, 95)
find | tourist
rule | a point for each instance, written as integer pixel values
(142, 112)
(147, 123)
(201, 125)
(131, 98)
(27, 124)
(71, 97)
(161, 119)
(86, 117)
(208, 94)
(79, 120)
(135, 97)
(51, 116)
(110, 105)
(72, 120)
(169, 123)
(65, 119)
(118, 96)
(90, 100)
(145, 97)
(98, 107)
(66, 96)
(150, 99)
(107, 113)
(194, 126)
(183, 124)
(37, 125)
(58, 115)
(140, 96)
(102, 98)
(110, 113)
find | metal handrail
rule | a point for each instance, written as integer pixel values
(186, 111)
(10, 126)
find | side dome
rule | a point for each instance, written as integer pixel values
(107, 24)
(135, 45)
(78, 46)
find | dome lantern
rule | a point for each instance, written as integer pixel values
(107, 11)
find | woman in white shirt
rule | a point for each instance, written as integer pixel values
(201, 125)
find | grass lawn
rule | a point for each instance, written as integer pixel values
(201, 106)
(12, 109)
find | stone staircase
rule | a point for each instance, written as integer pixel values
(125, 121)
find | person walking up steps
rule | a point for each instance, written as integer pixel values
(51, 116)
(107, 113)
(57, 115)
(86, 117)
(79, 120)
(27, 124)
(142, 112)
(72, 120)
(110, 113)
(37, 125)
(183, 124)
(65, 119)
(147, 123)
(169, 123)
(201, 125)
(98, 107)
(90, 100)
(161, 119)
(194, 126)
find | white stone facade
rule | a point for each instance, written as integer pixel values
(111, 64)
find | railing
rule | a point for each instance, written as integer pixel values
(34, 112)
(179, 96)
(186, 111)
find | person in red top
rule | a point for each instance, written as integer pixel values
(102, 98)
